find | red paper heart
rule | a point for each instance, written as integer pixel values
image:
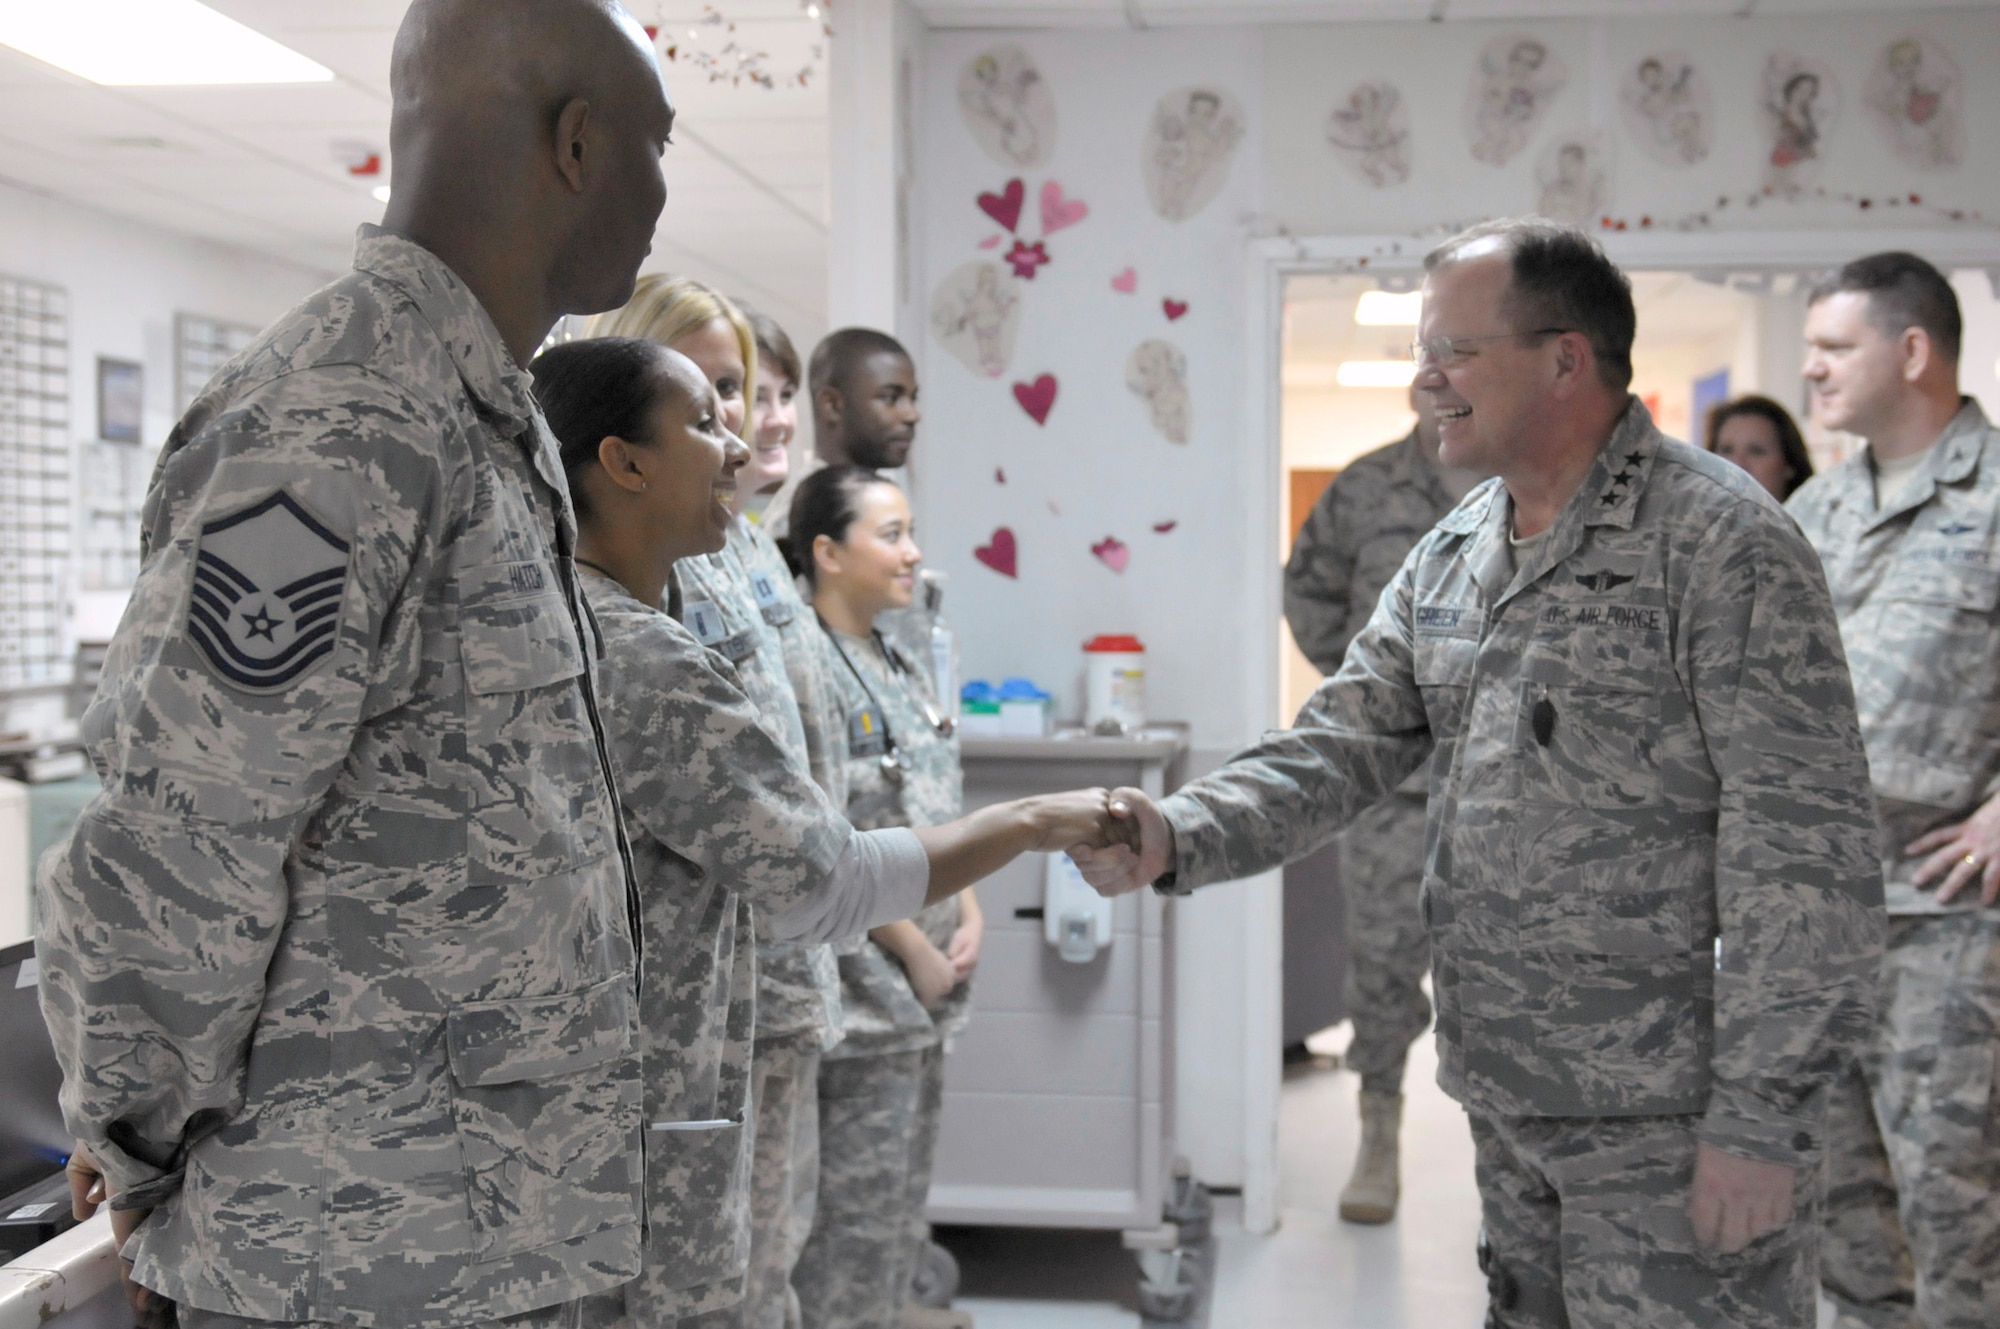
(1112, 552)
(1005, 206)
(1057, 211)
(1163, 527)
(1037, 398)
(1173, 308)
(999, 475)
(1000, 553)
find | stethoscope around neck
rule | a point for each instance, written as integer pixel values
(896, 763)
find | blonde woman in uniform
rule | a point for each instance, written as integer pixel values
(726, 827)
(905, 987)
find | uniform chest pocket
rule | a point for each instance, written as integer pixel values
(540, 805)
(1444, 666)
(1943, 611)
(1589, 722)
(515, 632)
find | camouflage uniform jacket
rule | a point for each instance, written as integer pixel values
(721, 817)
(1917, 588)
(1641, 741)
(798, 987)
(1359, 533)
(340, 966)
(879, 1011)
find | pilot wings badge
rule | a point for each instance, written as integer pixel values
(1602, 581)
(267, 590)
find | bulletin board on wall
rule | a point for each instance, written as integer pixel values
(34, 483)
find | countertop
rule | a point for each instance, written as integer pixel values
(1156, 742)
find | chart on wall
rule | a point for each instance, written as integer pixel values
(34, 482)
(110, 507)
(203, 345)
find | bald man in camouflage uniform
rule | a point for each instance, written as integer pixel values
(1359, 532)
(1648, 883)
(1909, 531)
(340, 966)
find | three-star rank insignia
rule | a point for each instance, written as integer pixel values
(268, 584)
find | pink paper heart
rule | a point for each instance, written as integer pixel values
(1005, 206)
(1164, 527)
(1112, 552)
(1000, 553)
(999, 475)
(1126, 282)
(991, 242)
(1037, 398)
(1173, 309)
(1057, 211)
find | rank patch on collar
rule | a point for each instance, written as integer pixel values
(268, 584)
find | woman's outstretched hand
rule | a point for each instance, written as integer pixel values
(1136, 848)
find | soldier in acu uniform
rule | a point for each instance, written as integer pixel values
(1909, 531)
(1648, 879)
(340, 966)
(904, 988)
(1359, 532)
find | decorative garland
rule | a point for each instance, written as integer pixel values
(734, 63)
(1695, 221)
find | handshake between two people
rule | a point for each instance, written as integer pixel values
(1117, 837)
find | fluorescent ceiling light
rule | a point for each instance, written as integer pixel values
(1388, 309)
(150, 43)
(380, 193)
(1375, 373)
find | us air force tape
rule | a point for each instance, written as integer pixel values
(268, 584)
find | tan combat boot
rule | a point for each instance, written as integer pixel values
(1372, 1192)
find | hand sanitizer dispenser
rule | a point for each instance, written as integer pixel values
(1076, 920)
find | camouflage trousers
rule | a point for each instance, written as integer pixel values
(923, 1155)
(784, 1180)
(1389, 952)
(1913, 1138)
(1586, 1218)
(562, 1315)
(856, 1268)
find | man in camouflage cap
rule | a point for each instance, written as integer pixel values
(1654, 917)
(1909, 531)
(340, 965)
(1359, 532)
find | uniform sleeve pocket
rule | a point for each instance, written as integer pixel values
(539, 1038)
(515, 632)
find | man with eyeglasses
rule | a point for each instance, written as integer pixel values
(1650, 882)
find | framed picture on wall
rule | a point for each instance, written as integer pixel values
(121, 399)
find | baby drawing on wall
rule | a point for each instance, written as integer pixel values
(1157, 374)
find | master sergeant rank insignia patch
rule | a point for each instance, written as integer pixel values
(267, 590)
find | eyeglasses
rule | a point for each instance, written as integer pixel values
(1451, 350)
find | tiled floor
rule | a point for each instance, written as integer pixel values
(1315, 1271)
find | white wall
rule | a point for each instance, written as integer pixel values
(126, 282)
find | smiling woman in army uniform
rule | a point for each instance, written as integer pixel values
(904, 988)
(722, 818)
